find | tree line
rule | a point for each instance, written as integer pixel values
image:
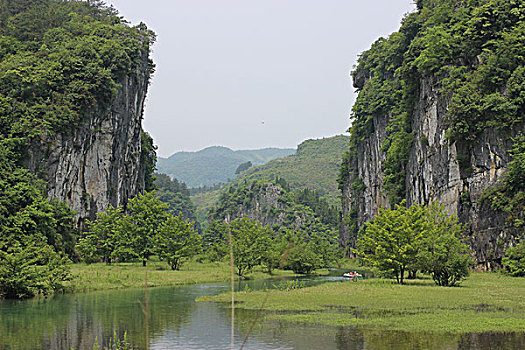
(145, 229)
(301, 250)
(408, 239)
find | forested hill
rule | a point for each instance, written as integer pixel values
(311, 174)
(315, 166)
(214, 165)
(440, 116)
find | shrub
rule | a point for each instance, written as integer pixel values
(29, 270)
(514, 260)
(419, 237)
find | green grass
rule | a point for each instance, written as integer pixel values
(132, 275)
(485, 302)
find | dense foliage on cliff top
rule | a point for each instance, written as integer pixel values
(59, 60)
(472, 49)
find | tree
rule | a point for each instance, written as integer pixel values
(250, 242)
(243, 167)
(31, 268)
(446, 258)
(323, 241)
(391, 241)
(419, 237)
(100, 241)
(442, 254)
(303, 258)
(34, 235)
(138, 229)
(514, 260)
(176, 195)
(215, 240)
(176, 241)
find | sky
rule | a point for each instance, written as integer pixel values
(250, 74)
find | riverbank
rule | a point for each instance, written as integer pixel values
(485, 302)
(101, 276)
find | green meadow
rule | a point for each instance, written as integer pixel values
(100, 276)
(485, 302)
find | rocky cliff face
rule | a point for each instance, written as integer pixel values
(264, 201)
(97, 163)
(439, 109)
(454, 174)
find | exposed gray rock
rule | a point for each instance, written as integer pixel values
(435, 174)
(97, 163)
(266, 203)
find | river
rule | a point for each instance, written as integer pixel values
(176, 321)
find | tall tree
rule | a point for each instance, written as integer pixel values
(442, 252)
(99, 243)
(138, 229)
(177, 241)
(391, 241)
(250, 242)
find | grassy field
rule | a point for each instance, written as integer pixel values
(485, 302)
(132, 275)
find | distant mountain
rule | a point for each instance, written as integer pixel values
(315, 166)
(214, 165)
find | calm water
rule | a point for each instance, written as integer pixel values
(178, 322)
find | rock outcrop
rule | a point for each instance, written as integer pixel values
(434, 173)
(97, 163)
(438, 103)
(264, 201)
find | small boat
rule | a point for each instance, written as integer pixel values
(352, 274)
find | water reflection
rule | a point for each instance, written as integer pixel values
(177, 322)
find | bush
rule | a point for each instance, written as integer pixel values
(418, 237)
(514, 260)
(29, 270)
(446, 259)
(177, 241)
(303, 259)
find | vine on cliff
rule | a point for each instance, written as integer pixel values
(509, 194)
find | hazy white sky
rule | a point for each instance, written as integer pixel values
(250, 74)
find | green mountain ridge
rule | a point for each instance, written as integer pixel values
(315, 166)
(214, 165)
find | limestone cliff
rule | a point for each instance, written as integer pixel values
(73, 81)
(264, 201)
(98, 163)
(424, 128)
